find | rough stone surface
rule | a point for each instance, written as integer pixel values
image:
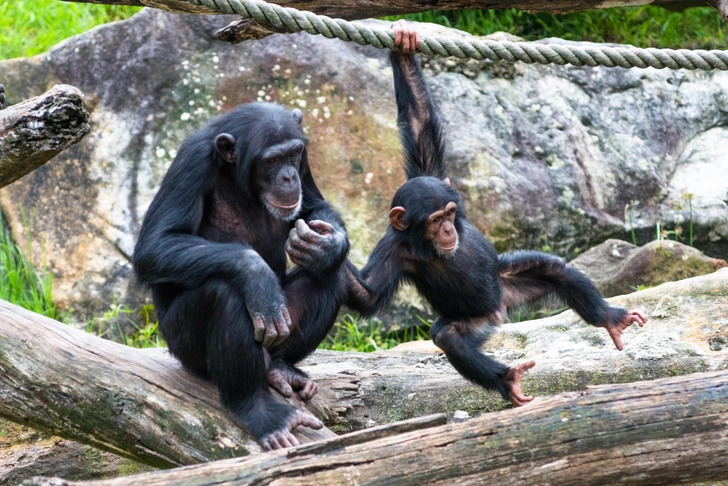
(546, 157)
(618, 267)
(687, 332)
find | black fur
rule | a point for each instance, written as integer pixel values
(213, 255)
(471, 287)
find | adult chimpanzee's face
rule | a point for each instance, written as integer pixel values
(270, 152)
(277, 180)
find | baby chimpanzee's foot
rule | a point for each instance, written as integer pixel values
(286, 379)
(618, 324)
(513, 380)
(283, 438)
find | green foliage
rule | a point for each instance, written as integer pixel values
(119, 319)
(29, 27)
(356, 334)
(646, 26)
(20, 282)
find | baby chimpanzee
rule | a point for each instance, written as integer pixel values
(431, 244)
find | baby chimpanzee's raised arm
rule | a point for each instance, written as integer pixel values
(417, 119)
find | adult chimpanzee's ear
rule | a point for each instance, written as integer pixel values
(298, 116)
(396, 217)
(446, 180)
(225, 144)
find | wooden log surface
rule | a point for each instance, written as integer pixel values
(139, 404)
(357, 9)
(667, 431)
(36, 130)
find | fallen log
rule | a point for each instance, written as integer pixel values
(139, 404)
(34, 131)
(355, 9)
(666, 431)
(142, 405)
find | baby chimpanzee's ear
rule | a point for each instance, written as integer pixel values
(446, 180)
(396, 217)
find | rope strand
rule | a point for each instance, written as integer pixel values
(270, 14)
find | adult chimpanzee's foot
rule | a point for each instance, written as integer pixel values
(283, 438)
(286, 379)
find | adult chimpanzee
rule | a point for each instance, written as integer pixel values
(431, 244)
(212, 248)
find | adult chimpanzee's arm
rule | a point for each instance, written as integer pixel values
(169, 252)
(417, 119)
(374, 287)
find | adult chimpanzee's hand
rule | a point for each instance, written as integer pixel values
(267, 306)
(316, 246)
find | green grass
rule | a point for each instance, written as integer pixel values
(116, 322)
(356, 334)
(29, 27)
(20, 282)
(646, 26)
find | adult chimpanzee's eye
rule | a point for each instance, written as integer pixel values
(293, 155)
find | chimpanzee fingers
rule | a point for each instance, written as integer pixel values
(397, 27)
(278, 382)
(259, 327)
(282, 324)
(616, 334)
(638, 317)
(305, 233)
(309, 390)
(306, 420)
(271, 333)
(321, 227)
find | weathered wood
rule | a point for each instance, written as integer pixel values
(356, 9)
(139, 404)
(242, 30)
(36, 130)
(666, 431)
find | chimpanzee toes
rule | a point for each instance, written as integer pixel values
(300, 418)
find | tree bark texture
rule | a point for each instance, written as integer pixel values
(36, 130)
(356, 9)
(139, 404)
(667, 431)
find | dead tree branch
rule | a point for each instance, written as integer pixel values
(36, 130)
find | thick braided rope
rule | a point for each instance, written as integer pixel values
(269, 14)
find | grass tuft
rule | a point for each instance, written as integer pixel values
(647, 26)
(20, 283)
(356, 334)
(29, 27)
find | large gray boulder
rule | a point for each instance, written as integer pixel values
(545, 157)
(617, 267)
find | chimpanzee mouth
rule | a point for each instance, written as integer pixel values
(283, 210)
(448, 250)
